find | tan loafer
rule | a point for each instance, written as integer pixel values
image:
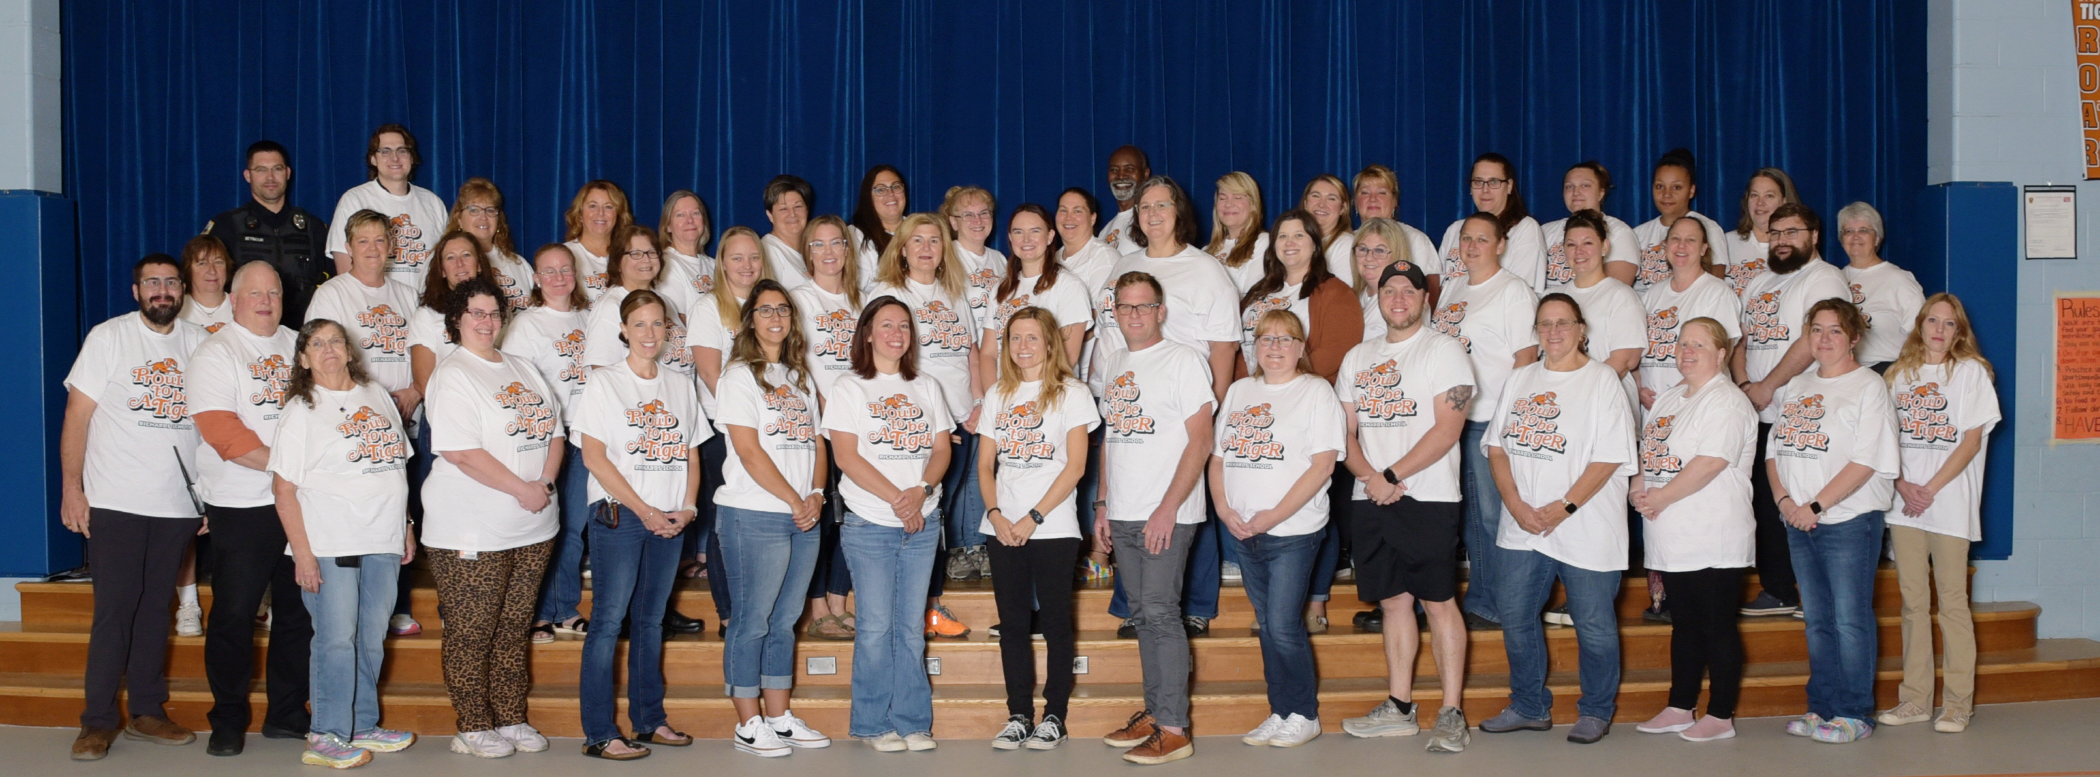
(93, 743)
(159, 731)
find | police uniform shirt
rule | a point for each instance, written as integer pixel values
(290, 240)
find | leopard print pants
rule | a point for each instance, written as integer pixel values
(487, 605)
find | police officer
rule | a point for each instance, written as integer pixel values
(268, 228)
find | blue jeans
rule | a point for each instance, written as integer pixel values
(1200, 577)
(1483, 521)
(891, 693)
(562, 590)
(1834, 565)
(768, 561)
(1089, 488)
(631, 574)
(961, 504)
(1527, 581)
(1277, 574)
(349, 644)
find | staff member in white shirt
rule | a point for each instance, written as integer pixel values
(549, 334)
(1692, 293)
(1486, 312)
(1377, 193)
(127, 443)
(1617, 325)
(1278, 436)
(478, 209)
(1078, 249)
(1562, 448)
(1326, 197)
(828, 308)
(1127, 168)
(638, 423)
(1946, 407)
(1582, 188)
(461, 258)
(1403, 457)
(1493, 184)
(236, 382)
(1743, 251)
(1889, 295)
(1029, 461)
(1200, 296)
(1675, 183)
(1378, 243)
(1697, 448)
(373, 308)
(1833, 466)
(970, 213)
(772, 497)
(789, 201)
(1237, 238)
(598, 210)
(415, 216)
(742, 263)
(204, 284)
(340, 478)
(685, 229)
(878, 208)
(637, 264)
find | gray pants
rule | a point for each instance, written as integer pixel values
(1153, 583)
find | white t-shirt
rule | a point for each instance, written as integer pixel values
(895, 424)
(686, 278)
(1624, 247)
(1891, 298)
(375, 319)
(1118, 231)
(141, 426)
(1341, 257)
(1745, 256)
(1203, 307)
(1616, 321)
(1285, 298)
(1523, 256)
(514, 276)
(1667, 310)
(1933, 409)
(1549, 449)
(984, 271)
(506, 409)
(426, 328)
(590, 270)
(419, 220)
(1091, 263)
(212, 319)
(1712, 528)
(947, 333)
(1827, 423)
(240, 373)
(553, 342)
(786, 261)
(868, 256)
(649, 427)
(1246, 275)
(1030, 440)
(1145, 406)
(1775, 309)
(1374, 319)
(348, 454)
(1393, 389)
(1492, 320)
(828, 323)
(601, 335)
(786, 422)
(1652, 234)
(706, 330)
(1267, 436)
(1066, 300)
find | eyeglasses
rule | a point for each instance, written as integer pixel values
(480, 315)
(563, 272)
(1789, 234)
(1855, 231)
(1131, 310)
(839, 243)
(1489, 184)
(1275, 341)
(886, 188)
(650, 252)
(1378, 251)
(480, 210)
(1561, 325)
(771, 311)
(974, 215)
(392, 151)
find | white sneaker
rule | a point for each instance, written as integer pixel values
(189, 621)
(1230, 572)
(1295, 730)
(485, 744)
(919, 742)
(889, 743)
(524, 737)
(1261, 734)
(755, 737)
(796, 733)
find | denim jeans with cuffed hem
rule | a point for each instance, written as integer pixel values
(631, 574)
(1527, 581)
(1277, 573)
(891, 693)
(1200, 575)
(1483, 523)
(349, 613)
(562, 590)
(768, 562)
(1834, 564)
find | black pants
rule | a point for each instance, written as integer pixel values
(1039, 573)
(1775, 563)
(135, 559)
(248, 558)
(1705, 641)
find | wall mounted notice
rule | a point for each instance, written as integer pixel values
(2051, 216)
(2085, 31)
(2077, 417)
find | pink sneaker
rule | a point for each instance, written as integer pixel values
(1708, 729)
(1670, 721)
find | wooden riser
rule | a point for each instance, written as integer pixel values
(1226, 655)
(2054, 669)
(57, 604)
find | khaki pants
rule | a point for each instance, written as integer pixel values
(1945, 559)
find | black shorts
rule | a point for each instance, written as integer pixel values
(1407, 547)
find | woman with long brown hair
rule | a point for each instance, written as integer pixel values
(478, 210)
(598, 210)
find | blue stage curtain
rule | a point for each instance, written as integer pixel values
(1024, 98)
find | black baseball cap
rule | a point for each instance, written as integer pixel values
(1404, 269)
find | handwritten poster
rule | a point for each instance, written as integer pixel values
(2085, 30)
(2077, 367)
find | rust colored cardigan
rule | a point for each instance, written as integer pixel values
(1337, 325)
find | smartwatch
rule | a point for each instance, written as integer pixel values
(1035, 516)
(1570, 506)
(1390, 477)
(927, 487)
(1815, 507)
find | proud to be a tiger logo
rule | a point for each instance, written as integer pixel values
(272, 374)
(513, 292)
(1559, 271)
(703, 283)
(834, 340)
(904, 428)
(1921, 417)
(1740, 275)
(1858, 297)
(570, 347)
(982, 281)
(1657, 464)
(1447, 319)
(1662, 335)
(1250, 437)
(1020, 434)
(1761, 325)
(1124, 415)
(410, 252)
(1255, 309)
(386, 332)
(676, 355)
(1379, 398)
(1006, 310)
(160, 391)
(794, 425)
(1454, 267)
(534, 419)
(659, 439)
(1534, 425)
(377, 441)
(941, 327)
(1801, 427)
(596, 281)
(1655, 268)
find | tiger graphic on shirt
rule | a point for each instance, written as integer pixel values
(214, 327)
(1006, 310)
(410, 252)
(1019, 432)
(1122, 413)
(982, 283)
(1662, 335)
(534, 419)
(570, 347)
(833, 345)
(1250, 438)
(1447, 320)
(1800, 428)
(659, 439)
(942, 328)
(1380, 402)
(1657, 464)
(1534, 426)
(1858, 297)
(793, 422)
(1762, 327)
(1740, 274)
(1252, 315)
(161, 393)
(1655, 268)
(386, 332)
(596, 281)
(904, 427)
(1559, 271)
(1454, 268)
(377, 440)
(703, 284)
(1921, 418)
(272, 373)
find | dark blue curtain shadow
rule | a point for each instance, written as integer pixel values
(1024, 98)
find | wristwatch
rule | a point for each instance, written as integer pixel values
(1570, 506)
(1815, 507)
(1035, 516)
(1390, 477)
(927, 487)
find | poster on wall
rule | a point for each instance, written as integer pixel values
(2050, 215)
(2077, 412)
(2085, 27)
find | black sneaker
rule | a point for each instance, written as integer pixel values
(1196, 626)
(1128, 630)
(1013, 734)
(993, 631)
(1655, 615)
(1048, 734)
(676, 622)
(1371, 621)
(1767, 604)
(226, 741)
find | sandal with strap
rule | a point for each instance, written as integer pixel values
(541, 633)
(830, 627)
(577, 626)
(675, 739)
(598, 750)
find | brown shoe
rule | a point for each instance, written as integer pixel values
(1161, 747)
(1133, 733)
(158, 730)
(93, 743)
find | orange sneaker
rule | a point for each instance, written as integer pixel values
(1133, 733)
(942, 623)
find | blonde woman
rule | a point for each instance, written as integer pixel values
(970, 213)
(1237, 237)
(1378, 243)
(716, 319)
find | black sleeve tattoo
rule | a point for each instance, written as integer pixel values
(1460, 397)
